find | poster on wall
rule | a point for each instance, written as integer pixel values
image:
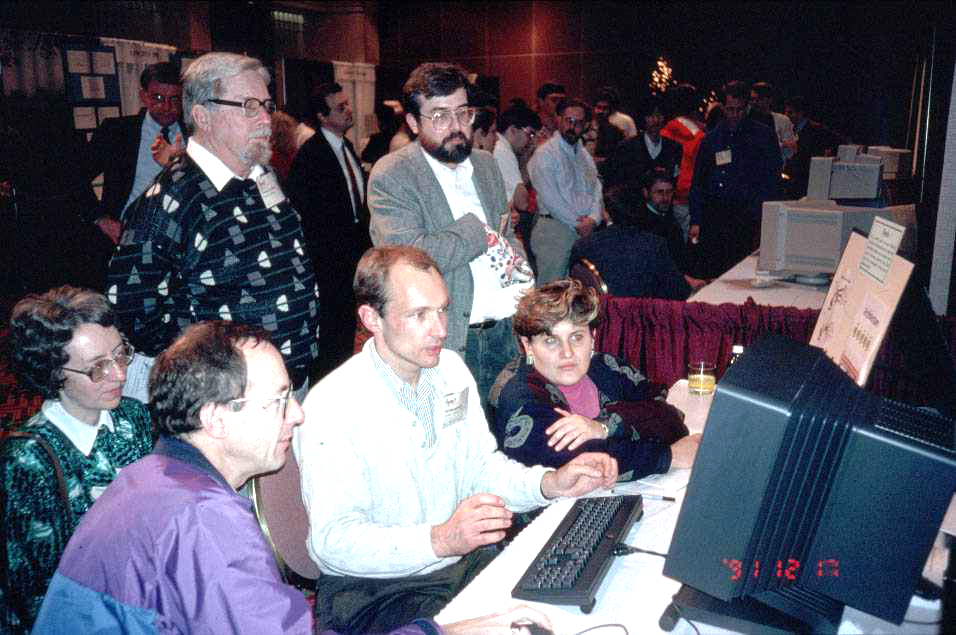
(92, 84)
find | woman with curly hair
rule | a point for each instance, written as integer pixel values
(64, 345)
(566, 399)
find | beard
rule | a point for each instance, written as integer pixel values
(571, 137)
(258, 148)
(455, 154)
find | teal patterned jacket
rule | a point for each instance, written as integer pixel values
(36, 525)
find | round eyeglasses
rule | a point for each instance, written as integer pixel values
(250, 106)
(281, 400)
(104, 368)
(441, 119)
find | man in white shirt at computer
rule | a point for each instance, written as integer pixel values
(402, 479)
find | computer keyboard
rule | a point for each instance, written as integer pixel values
(571, 565)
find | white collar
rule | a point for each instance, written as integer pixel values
(217, 171)
(567, 147)
(456, 174)
(80, 434)
(504, 140)
(152, 124)
(334, 140)
(651, 143)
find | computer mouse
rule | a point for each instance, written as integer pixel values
(533, 628)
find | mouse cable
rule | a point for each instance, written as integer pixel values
(594, 628)
(681, 616)
(621, 549)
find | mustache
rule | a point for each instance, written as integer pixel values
(453, 136)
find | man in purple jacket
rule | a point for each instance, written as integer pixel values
(170, 547)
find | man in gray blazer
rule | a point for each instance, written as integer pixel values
(440, 196)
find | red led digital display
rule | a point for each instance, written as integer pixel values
(784, 569)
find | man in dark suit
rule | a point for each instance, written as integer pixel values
(813, 140)
(633, 158)
(631, 257)
(737, 169)
(131, 151)
(327, 187)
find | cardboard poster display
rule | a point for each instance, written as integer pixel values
(859, 308)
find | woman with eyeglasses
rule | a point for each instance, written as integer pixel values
(65, 346)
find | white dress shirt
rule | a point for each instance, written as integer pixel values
(653, 149)
(784, 129)
(492, 299)
(566, 181)
(508, 164)
(146, 166)
(338, 147)
(217, 171)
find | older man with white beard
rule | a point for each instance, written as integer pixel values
(214, 237)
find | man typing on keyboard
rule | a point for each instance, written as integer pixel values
(401, 477)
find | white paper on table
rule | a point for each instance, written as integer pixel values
(92, 87)
(103, 63)
(671, 482)
(77, 61)
(84, 117)
(107, 112)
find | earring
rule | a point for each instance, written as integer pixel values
(530, 358)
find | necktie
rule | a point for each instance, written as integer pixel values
(165, 132)
(356, 197)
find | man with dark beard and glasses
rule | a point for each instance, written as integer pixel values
(214, 238)
(569, 192)
(440, 196)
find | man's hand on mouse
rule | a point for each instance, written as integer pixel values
(518, 620)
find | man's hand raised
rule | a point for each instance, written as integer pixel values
(479, 520)
(582, 474)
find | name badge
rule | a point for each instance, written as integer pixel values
(269, 189)
(456, 407)
(723, 157)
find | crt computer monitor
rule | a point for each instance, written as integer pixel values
(808, 237)
(808, 494)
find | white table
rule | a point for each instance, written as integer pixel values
(736, 285)
(635, 592)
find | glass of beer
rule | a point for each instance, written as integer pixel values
(700, 378)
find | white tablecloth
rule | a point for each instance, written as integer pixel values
(736, 285)
(635, 592)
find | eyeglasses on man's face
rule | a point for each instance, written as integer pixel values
(250, 106)
(105, 368)
(574, 122)
(172, 100)
(280, 401)
(441, 119)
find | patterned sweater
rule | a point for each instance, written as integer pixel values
(36, 526)
(192, 253)
(641, 425)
